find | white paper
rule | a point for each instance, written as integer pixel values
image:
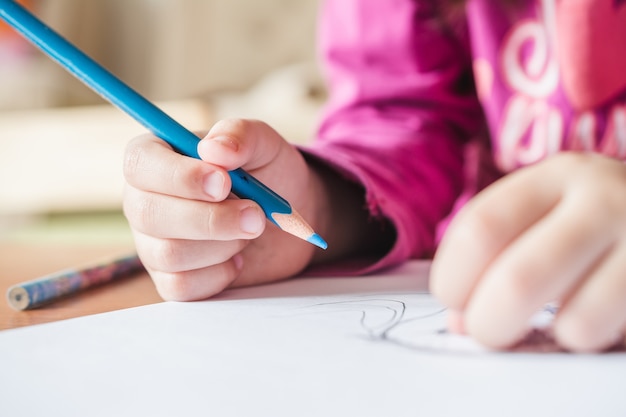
(368, 346)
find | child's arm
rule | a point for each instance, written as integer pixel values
(402, 109)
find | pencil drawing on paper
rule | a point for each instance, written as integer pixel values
(417, 322)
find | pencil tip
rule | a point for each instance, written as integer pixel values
(317, 241)
(294, 223)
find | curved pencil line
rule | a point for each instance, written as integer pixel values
(396, 317)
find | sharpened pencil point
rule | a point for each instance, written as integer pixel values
(294, 223)
(318, 241)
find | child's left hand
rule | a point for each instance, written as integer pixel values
(554, 231)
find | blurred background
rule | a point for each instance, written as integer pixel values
(61, 145)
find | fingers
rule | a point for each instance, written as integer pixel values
(235, 143)
(171, 217)
(594, 317)
(178, 255)
(151, 165)
(193, 239)
(482, 230)
(186, 270)
(259, 149)
(551, 232)
(197, 284)
(540, 266)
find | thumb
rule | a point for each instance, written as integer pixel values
(234, 143)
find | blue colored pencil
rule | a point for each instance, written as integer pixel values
(32, 294)
(244, 185)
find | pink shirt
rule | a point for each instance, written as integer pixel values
(424, 115)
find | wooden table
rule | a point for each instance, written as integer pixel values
(23, 262)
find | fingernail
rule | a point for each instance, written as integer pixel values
(214, 184)
(226, 142)
(251, 220)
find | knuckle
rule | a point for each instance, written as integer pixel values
(475, 224)
(194, 285)
(173, 286)
(231, 126)
(166, 256)
(227, 273)
(133, 157)
(189, 176)
(568, 159)
(212, 222)
(240, 128)
(595, 204)
(521, 286)
(568, 162)
(141, 212)
(516, 284)
(519, 281)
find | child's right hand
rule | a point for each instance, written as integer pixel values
(192, 238)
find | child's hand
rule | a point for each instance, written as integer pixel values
(555, 231)
(192, 239)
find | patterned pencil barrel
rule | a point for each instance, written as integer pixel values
(46, 289)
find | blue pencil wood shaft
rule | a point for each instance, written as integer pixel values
(121, 95)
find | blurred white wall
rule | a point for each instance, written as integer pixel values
(166, 49)
(61, 146)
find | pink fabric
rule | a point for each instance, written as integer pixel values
(421, 113)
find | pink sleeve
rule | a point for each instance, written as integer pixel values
(401, 109)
